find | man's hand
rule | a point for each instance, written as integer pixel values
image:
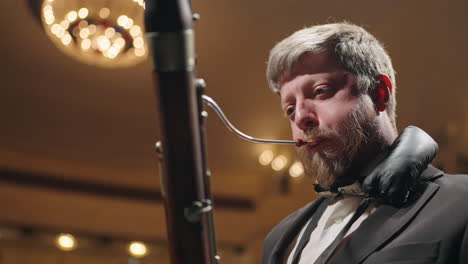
(393, 178)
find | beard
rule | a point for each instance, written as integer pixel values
(341, 148)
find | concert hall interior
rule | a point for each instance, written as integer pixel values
(77, 135)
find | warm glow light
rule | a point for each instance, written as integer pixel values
(137, 249)
(103, 43)
(71, 16)
(112, 52)
(265, 157)
(135, 30)
(65, 24)
(138, 42)
(140, 52)
(296, 169)
(61, 32)
(66, 242)
(84, 33)
(55, 28)
(92, 29)
(110, 32)
(120, 42)
(83, 12)
(104, 12)
(279, 163)
(128, 24)
(48, 10)
(82, 24)
(112, 55)
(86, 44)
(122, 20)
(66, 39)
(96, 34)
(49, 20)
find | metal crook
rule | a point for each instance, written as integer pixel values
(211, 103)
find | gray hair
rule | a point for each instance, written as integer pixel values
(353, 48)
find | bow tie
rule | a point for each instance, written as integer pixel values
(353, 189)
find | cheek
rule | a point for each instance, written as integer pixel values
(332, 115)
(295, 131)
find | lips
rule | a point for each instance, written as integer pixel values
(309, 142)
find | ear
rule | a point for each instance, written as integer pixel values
(382, 92)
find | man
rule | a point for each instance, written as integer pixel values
(337, 88)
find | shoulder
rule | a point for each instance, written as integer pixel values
(451, 192)
(454, 182)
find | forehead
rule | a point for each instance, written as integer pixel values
(310, 63)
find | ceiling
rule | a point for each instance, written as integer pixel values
(71, 122)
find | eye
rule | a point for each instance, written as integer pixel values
(289, 111)
(321, 90)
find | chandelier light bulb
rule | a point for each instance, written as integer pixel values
(122, 20)
(92, 29)
(83, 12)
(104, 12)
(109, 32)
(49, 20)
(66, 39)
(84, 33)
(65, 24)
(135, 31)
(138, 42)
(140, 52)
(86, 44)
(72, 16)
(120, 42)
(103, 43)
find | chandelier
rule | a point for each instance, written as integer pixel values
(98, 32)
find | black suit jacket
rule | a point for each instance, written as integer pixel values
(431, 228)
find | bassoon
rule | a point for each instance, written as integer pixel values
(184, 174)
(185, 178)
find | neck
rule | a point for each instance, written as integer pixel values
(367, 158)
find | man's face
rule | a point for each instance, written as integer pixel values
(323, 104)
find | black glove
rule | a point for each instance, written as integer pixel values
(393, 178)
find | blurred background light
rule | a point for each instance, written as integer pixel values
(296, 169)
(279, 163)
(66, 242)
(137, 249)
(266, 157)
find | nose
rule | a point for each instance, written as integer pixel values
(305, 117)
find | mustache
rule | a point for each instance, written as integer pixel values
(319, 133)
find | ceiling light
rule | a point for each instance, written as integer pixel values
(66, 242)
(83, 12)
(137, 249)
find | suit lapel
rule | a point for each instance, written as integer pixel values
(384, 223)
(291, 229)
